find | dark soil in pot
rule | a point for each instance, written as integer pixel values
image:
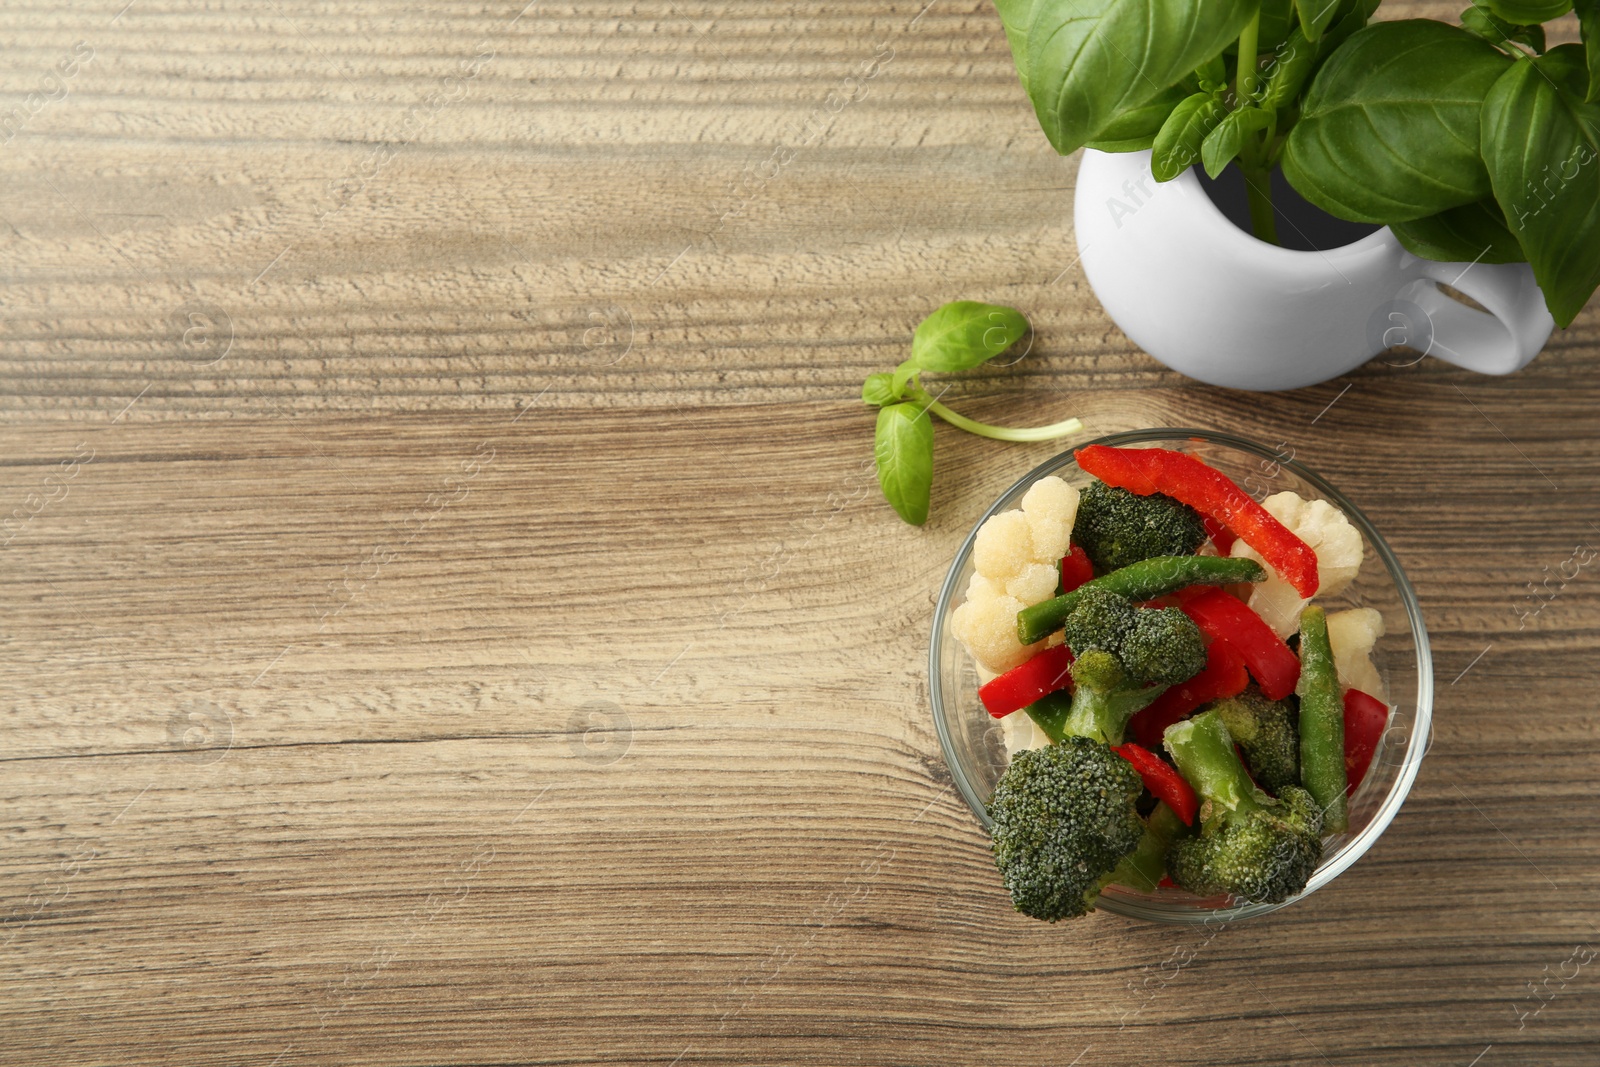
(1301, 226)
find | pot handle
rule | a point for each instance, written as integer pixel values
(1506, 339)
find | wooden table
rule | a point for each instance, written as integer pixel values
(447, 619)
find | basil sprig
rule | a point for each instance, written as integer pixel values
(1473, 143)
(958, 336)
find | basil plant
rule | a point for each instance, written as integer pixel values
(1473, 142)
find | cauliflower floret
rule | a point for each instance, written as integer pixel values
(979, 586)
(987, 625)
(1275, 600)
(1051, 506)
(1319, 524)
(1019, 732)
(1017, 555)
(985, 675)
(1035, 583)
(1003, 546)
(1351, 634)
(1338, 547)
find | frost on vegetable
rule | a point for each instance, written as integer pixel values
(1351, 634)
(1051, 506)
(1003, 547)
(1116, 591)
(987, 625)
(1338, 547)
(1034, 582)
(1117, 527)
(1018, 558)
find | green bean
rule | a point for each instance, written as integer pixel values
(1144, 580)
(1321, 722)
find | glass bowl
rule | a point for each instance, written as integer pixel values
(972, 740)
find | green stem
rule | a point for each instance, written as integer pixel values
(1258, 191)
(1252, 164)
(1142, 868)
(1247, 58)
(996, 433)
(1205, 757)
(1104, 716)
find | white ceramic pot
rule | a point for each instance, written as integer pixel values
(1210, 300)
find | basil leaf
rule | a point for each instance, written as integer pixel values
(1292, 63)
(1177, 146)
(1135, 130)
(1471, 233)
(1564, 67)
(1277, 22)
(1530, 12)
(1296, 58)
(903, 374)
(1213, 70)
(1224, 142)
(902, 444)
(1589, 22)
(1017, 16)
(879, 390)
(1315, 16)
(1085, 62)
(1541, 142)
(964, 334)
(1389, 129)
(1349, 21)
(1482, 22)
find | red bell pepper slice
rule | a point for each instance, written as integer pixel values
(1014, 690)
(1163, 782)
(1212, 493)
(1220, 535)
(1075, 569)
(1224, 676)
(1119, 467)
(1365, 719)
(1223, 615)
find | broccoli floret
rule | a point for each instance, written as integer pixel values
(1099, 619)
(1126, 656)
(1163, 646)
(1116, 527)
(1152, 644)
(1265, 730)
(1064, 818)
(1250, 845)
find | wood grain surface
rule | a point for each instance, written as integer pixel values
(447, 620)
